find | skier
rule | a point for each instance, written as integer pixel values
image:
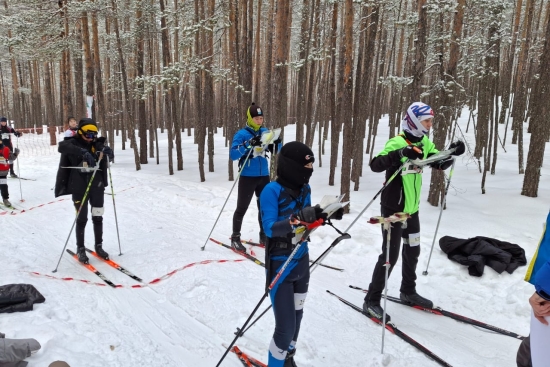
(283, 203)
(5, 131)
(254, 174)
(85, 147)
(73, 127)
(5, 156)
(403, 195)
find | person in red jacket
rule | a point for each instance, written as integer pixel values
(4, 170)
(5, 131)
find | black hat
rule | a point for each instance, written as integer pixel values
(3, 119)
(254, 110)
(290, 165)
(86, 124)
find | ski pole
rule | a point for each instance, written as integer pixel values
(372, 201)
(312, 267)
(114, 206)
(79, 209)
(305, 235)
(425, 272)
(386, 223)
(223, 206)
(18, 170)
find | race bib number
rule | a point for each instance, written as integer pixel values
(3, 160)
(3, 181)
(5, 136)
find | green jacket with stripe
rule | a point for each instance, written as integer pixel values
(403, 193)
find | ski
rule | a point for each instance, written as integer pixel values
(93, 270)
(116, 266)
(249, 257)
(390, 326)
(246, 359)
(11, 207)
(441, 312)
(311, 261)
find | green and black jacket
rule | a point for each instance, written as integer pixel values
(403, 193)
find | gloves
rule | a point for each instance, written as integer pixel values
(460, 147)
(17, 133)
(12, 157)
(442, 164)
(411, 152)
(255, 141)
(108, 152)
(88, 158)
(337, 215)
(310, 214)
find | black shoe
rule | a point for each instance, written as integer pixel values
(289, 360)
(101, 252)
(236, 243)
(12, 174)
(375, 310)
(81, 254)
(416, 299)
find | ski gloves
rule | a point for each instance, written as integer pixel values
(255, 141)
(411, 152)
(310, 214)
(17, 133)
(108, 152)
(459, 146)
(88, 158)
(442, 164)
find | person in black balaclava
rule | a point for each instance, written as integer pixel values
(283, 204)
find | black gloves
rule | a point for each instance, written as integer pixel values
(411, 152)
(337, 215)
(17, 133)
(459, 146)
(310, 214)
(108, 152)
(255, 141)
(442, 164)
(88, 158)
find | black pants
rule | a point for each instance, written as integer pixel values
(4, 186)
(248, 186)
(95, 198)
(523, 358)
(410, 232)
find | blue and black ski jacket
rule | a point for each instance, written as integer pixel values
(254, 167)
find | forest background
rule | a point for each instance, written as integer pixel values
(338, 66)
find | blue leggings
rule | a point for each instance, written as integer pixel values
(287, 297)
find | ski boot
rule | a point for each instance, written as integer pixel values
(289, 360)
(236, 242)
(374, 309)
(101, 252)
(7, 203)
(81, 254)
(416, 299)
(13, 174)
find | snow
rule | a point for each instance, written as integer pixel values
(184, 320)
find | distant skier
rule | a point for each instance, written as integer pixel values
(283, 203)
(5, 132)
(73, 127)
(254, 174)
(403, 195)
(85, 147)
(5, 156)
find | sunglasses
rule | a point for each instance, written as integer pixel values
(90, 134)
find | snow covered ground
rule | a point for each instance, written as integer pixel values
(184, 320)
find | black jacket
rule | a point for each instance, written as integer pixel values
(71, 181)
(18, 298)
(479, 251)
